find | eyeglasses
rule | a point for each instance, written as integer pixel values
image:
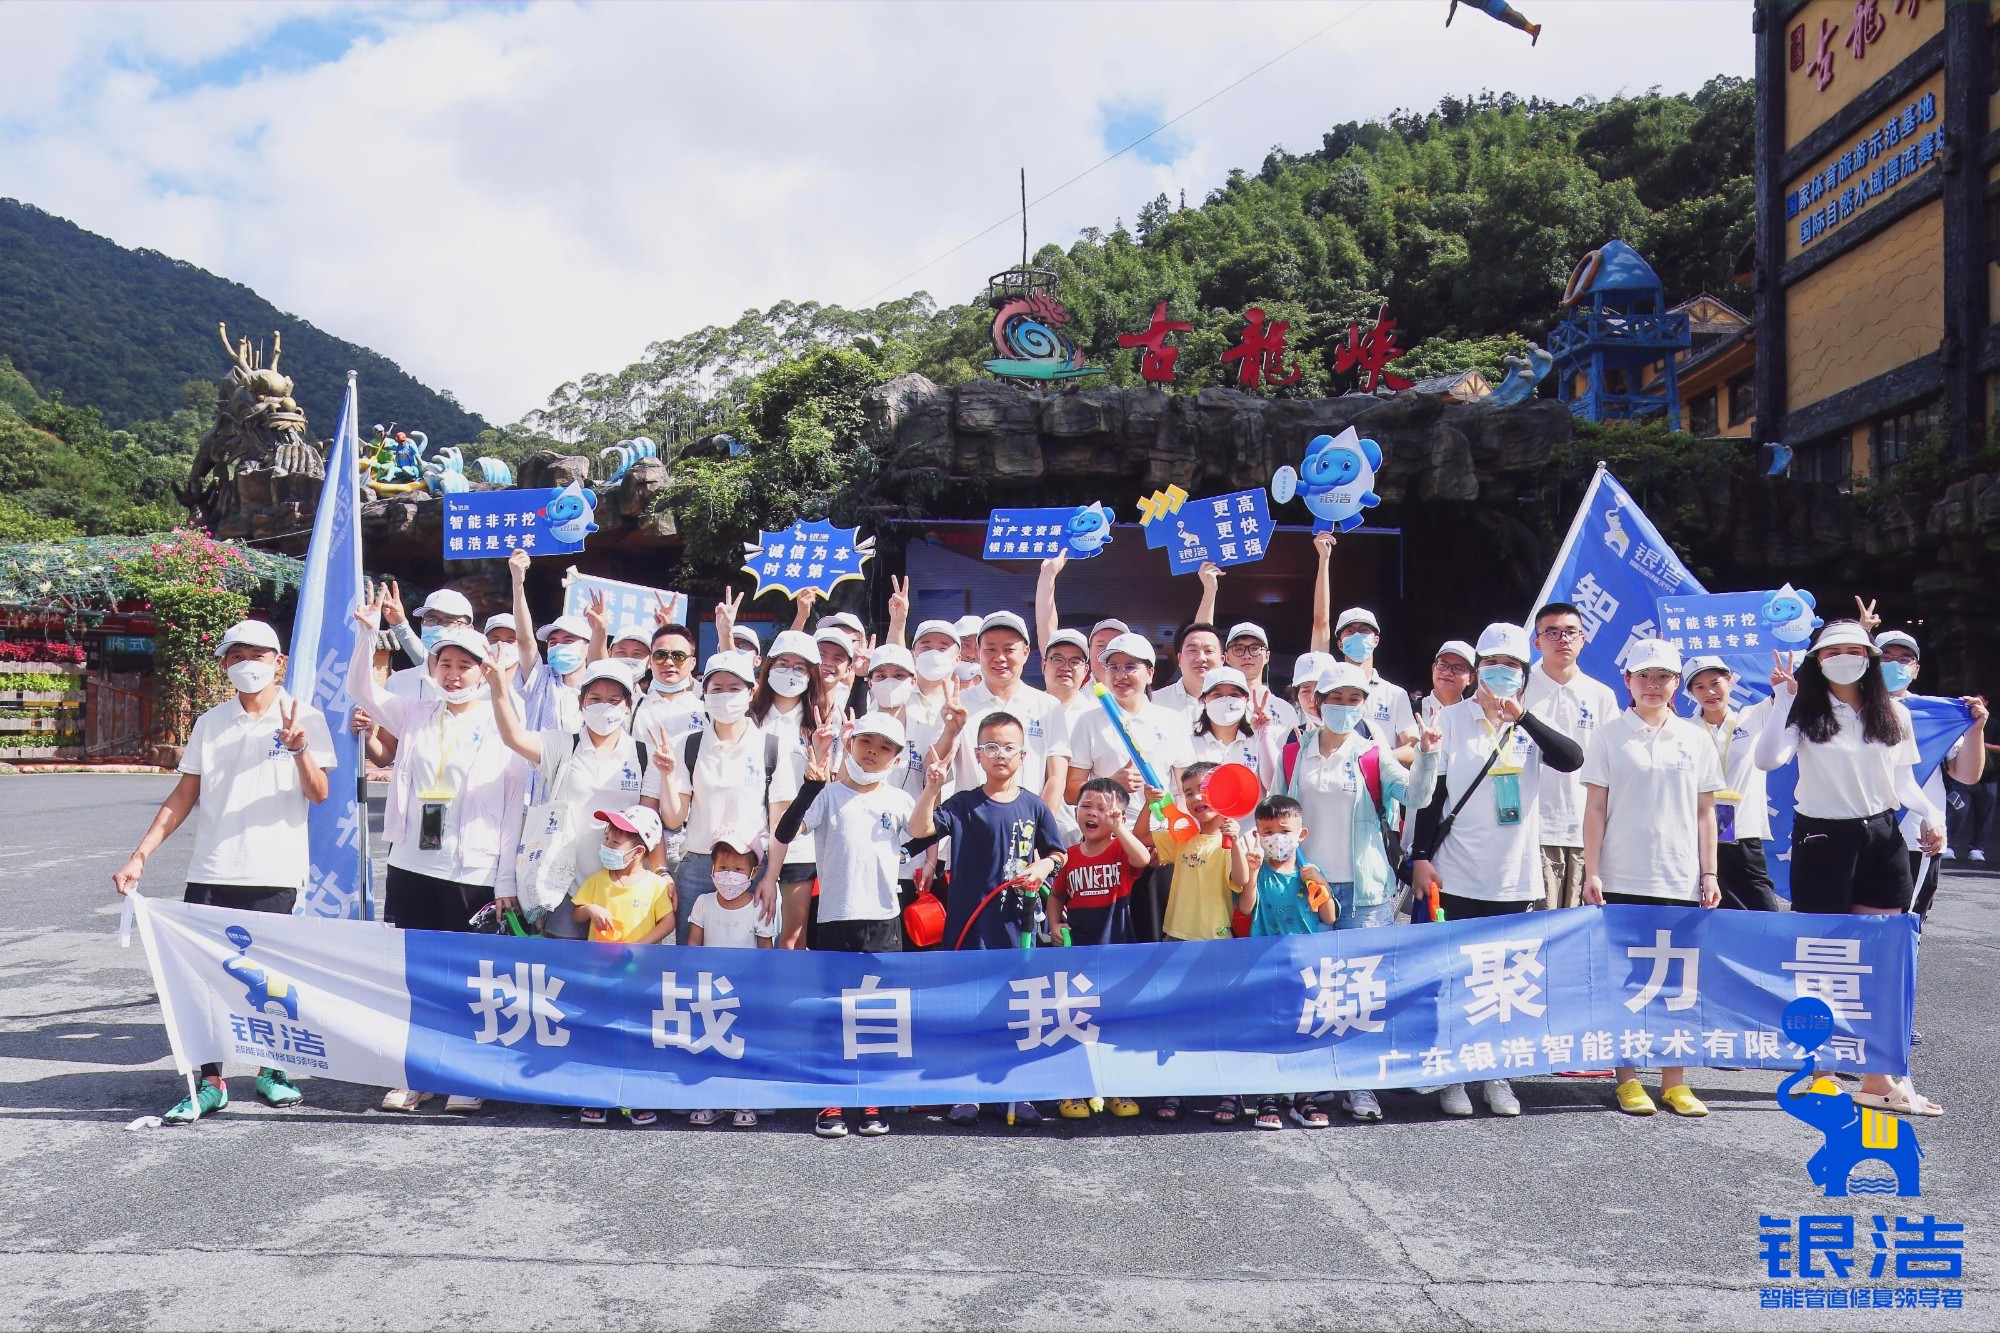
(1451, 666)
(1562, 635)
(1066, 663)
(1249, 650)
(674, 655)
(1125, 668)
(996, 750)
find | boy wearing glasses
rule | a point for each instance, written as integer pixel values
(1576, 706)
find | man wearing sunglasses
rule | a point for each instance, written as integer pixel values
(1575, 705)
(671, 704)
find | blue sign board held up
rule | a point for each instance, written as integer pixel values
(1039, 534)
(1742, 628)
(813, 555)
(492, 525)
(1233, 529)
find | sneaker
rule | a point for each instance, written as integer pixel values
(965, 1113)
(1680, 1099)
(1453, 1101)
(1123, 1107)
(211, 1095)
(1025, 1113)
(1305, 1111)
(1916, 1037)
(1979, 853)
(1500, 1098)
(593, 1115)
(277, 1088)
(460, 1105)
(1361, 1104)
(1269, 1118)
(872, 1124)
(829, 1125)
(1073, 1108)
(1633, 1099)
(703, 1118)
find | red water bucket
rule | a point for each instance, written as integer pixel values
(923, 921)
(1233, 790)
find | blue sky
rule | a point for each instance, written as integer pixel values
(506, 197)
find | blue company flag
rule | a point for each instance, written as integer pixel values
(581, 1023)
(492, 525)
(1233, 529)
(322, 635)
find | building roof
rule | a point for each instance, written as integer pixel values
(1621, 269)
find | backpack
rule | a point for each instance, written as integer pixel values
(691, 751)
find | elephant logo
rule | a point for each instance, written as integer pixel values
(262, 990)
(1854, 1134)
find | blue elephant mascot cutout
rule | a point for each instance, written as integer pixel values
(1854, 1134)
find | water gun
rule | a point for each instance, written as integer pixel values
(1178, 823)
(1431, 892)
(1316, 890)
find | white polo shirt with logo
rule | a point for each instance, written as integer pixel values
(250, 823)
(1654, 778)
(1576, 709)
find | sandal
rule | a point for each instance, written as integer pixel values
(745, 1120)
(641, 1117)
(1168, 1110)
(403, 1099)
(593, 1115)
(1226, 1111)
(701, 1118)
(1268, 1117)
(1901, 1099)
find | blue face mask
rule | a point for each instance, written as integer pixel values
(1341, 718)
(565, 657)
(1898, 675)
(1504, 681)
(430, 635)
(1356, 647)
(613, 858)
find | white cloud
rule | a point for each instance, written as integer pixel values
(503, 199)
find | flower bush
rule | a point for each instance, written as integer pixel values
(41, 650)
(184, 577)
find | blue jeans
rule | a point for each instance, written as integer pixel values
(693, 877)
(1349, 917)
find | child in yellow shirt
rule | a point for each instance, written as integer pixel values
(626, 903)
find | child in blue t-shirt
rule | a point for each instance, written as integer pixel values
(1282, 897)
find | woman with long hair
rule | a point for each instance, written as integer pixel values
(1856, 747)
(793, 698)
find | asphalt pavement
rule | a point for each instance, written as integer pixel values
(337, 1215)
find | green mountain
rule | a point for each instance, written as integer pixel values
(122, 330)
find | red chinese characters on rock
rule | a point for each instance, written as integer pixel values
(1372, 352)
(1260, 357)
(1156, 363)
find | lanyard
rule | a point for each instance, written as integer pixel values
(1503, 740)
(447, 743)
(1724, 736)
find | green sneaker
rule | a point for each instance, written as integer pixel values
(214, 1096)
(277, 1089)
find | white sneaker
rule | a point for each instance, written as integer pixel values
(1453, 1101)
(1361, 1104)
(462, 1105)
(1500, 1098)
(1979, 853)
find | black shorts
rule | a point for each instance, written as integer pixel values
(421, 902)
(243, 897)
(1841, 864)
(1101, 925)
(1469, 909)
(1644, 900)
(860, 936)
(1744, 876)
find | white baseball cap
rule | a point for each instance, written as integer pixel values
(1842, 632)
(1130, 645)
(741, 838)
(1457, 648)
(746, 636)
(1308, 668)
(470, 639)
(836, 636)
(1357, 615)
(1503, 640)
(500, 621)
(738, 664)
(446, 602)
(1891, 637)
(636, 819)
(965, 626)
(1246, 630)
(1653, 655)
(1004, 620)
(576, 625)
(944, 627)
(1217, 677)
(846, 620)
(607, 669)
(1694, 666)
(881, 724)
(796, 642)
(892, 654)
(1116, 626)
(253, 632)
(632, 632)
(1073, 637)
(1342, 676)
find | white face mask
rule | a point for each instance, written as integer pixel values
(506, 655)
(1225, 712)
(937, 663)
(252, 676)
(1278, 846)
(967, 671)
(603, 719)
(789, 682)
(729, 883)
(671, 686)
(728, 707)
(1844, 669)
(890, 693)
(464, 694)
(858, 775)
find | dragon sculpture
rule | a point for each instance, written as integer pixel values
(258, 425)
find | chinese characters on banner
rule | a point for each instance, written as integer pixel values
(1728, 625)
(492, 525)
(811, 555)
(1233, 529)
(1898, 153)
(1038, 534)
(624, 603)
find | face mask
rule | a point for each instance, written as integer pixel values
(1224, 712)
(671, 686)
(968, 671)
(1504, 681)
(565, 657)
(728, 707)
(1340, 718)
(936, 664)
(250, 677)
(729, 883)
(1844, 669)
(890, 693)
(429, 634)
(1278, 846)
(603, 719)
(506, 655)
(1898, 675)
(858, 775)
(464, 694)
(788, 681)
(612, 858)
(1356, 647)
